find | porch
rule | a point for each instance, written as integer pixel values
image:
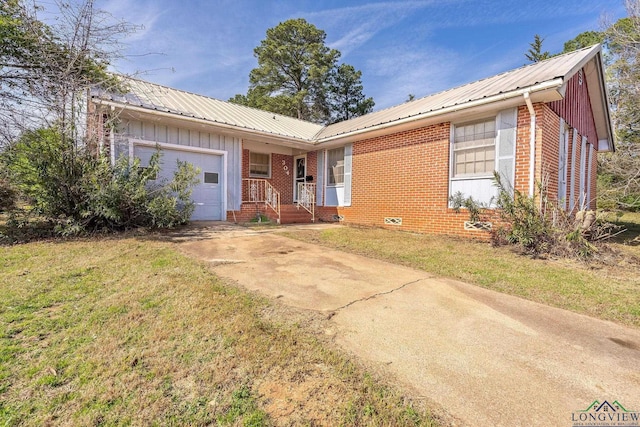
(261, 199)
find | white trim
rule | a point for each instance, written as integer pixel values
(176, 147)
(590, 165)
(572, 178)
(583, 166)
(563, 159)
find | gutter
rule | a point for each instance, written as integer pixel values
(279, 139)
(532, 143)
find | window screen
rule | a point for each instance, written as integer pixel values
(474, 148)
(335, 166)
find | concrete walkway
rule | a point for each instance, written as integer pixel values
(487, 358)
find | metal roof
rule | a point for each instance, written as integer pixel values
(559, 67)
(154, 97)
(549, 74)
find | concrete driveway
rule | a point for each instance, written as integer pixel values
(488, 359)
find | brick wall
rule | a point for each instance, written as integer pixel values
(281, 174)
(547, 170)
(547, 156)
(406, 175)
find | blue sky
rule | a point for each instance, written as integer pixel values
(401, 47)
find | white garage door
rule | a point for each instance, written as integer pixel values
(208, 194)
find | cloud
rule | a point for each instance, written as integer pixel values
(355, 25)
(144, 15)
(395, 73)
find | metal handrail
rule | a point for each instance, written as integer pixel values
(307, 198)
(261, 191)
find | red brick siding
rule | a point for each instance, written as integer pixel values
(404, 175)
(523, 144)
(281, 174)
(549, 148)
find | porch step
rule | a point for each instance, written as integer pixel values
(290, 214)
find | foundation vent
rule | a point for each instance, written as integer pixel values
(482, 226)
(393, 221)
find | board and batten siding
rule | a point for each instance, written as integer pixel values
(157, 132)
(575, 107)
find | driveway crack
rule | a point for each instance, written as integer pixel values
(335, 311)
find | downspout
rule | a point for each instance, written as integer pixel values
(532, 144)
(112, 140)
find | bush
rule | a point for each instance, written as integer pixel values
(8, 196)
(526, 225)
(539, 226)
(77, 192)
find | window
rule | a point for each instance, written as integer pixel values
(260, 165)
(474, 149)
(335, 166)
(210, 178)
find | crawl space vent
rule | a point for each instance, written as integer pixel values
(482, 226)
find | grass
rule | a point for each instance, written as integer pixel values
(629, 240)
(606, 288)
(127, 331)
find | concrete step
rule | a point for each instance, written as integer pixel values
(290, 214)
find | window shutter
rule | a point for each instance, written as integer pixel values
(320, 180)
(506, 146)
(347, 174)
(583, 169)
(589, 170)
(562, 162)
(574, 161)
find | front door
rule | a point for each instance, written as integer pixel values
(300, 173)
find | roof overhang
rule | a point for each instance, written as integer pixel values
(542, 92)
(138, 113)
(551, 89)
(598, 94)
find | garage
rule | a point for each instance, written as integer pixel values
(208, 195)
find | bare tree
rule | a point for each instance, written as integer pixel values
(620, 171)
(46, 70)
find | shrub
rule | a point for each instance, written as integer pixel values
(527, 225)
(8, 196)
(77, 192)
(539, 226)
(536, 225)
(474, 208)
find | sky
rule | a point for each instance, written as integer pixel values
(401, 47)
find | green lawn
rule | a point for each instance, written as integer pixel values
(607, 288)
(127, 331)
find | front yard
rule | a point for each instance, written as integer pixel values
(126, 331)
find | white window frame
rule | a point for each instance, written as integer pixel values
(255, 175)
(466, 176)
(328, 167)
